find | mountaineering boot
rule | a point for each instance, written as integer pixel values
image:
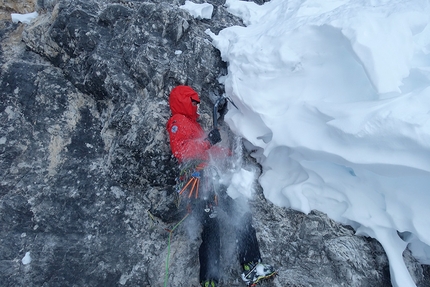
(255, 272)
(208, 283)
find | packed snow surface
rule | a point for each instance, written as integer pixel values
(241, 184)
(198, 11)
(23, 18)
(334, 97)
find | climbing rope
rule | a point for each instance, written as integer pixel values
(166, 277)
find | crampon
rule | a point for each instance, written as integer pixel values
(255, 273)
(261, 281)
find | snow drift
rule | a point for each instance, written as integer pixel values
(335, 98)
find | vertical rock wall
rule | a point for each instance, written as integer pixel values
(86, 173)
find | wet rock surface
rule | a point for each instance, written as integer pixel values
(86, 175)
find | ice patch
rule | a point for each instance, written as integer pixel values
(26, 259)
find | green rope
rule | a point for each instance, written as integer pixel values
(168, 249)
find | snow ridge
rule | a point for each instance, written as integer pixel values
(335, 95)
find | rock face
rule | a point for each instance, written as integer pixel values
(86, 171)
(18, 6)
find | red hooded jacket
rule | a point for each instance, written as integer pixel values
(188, 140)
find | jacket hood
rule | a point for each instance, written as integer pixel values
(180, 101)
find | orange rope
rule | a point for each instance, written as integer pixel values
(197, 191)
(188, 183)
(192, 188)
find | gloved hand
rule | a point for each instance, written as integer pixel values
(214, 136)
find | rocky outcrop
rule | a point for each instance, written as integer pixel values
(86, 173)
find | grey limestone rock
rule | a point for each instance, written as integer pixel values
(86, 174)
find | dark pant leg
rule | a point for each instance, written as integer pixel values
(247, 243)
(209, 252)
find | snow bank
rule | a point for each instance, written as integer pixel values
(336, 96)
(23, 18)
(199, 11)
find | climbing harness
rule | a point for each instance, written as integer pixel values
(192, 172)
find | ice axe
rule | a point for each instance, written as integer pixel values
(215, 111)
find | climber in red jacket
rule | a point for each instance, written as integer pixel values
(194, 149)
(187, 138)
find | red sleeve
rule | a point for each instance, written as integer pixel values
(187, 139)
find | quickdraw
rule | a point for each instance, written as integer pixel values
(195, 181)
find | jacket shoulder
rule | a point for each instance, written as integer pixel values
(177, 119)
(180, 122)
